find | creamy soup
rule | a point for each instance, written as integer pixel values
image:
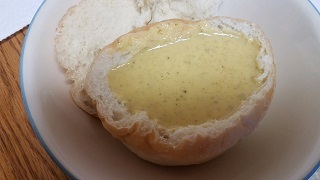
(189, 81)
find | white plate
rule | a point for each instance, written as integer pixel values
(286, 145)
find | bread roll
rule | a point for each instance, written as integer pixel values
(189, 144)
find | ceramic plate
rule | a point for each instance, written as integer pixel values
(286, 145)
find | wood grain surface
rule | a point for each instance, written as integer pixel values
(21, 154)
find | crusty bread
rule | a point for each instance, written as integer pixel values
(191, 144)
(92, 24)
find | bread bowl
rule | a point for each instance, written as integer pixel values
(191, 143)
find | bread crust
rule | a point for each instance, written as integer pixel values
(196, 143)
(189, 151)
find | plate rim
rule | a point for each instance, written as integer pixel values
(25, 102)
(32, 122)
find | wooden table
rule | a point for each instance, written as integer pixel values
(21, 154)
